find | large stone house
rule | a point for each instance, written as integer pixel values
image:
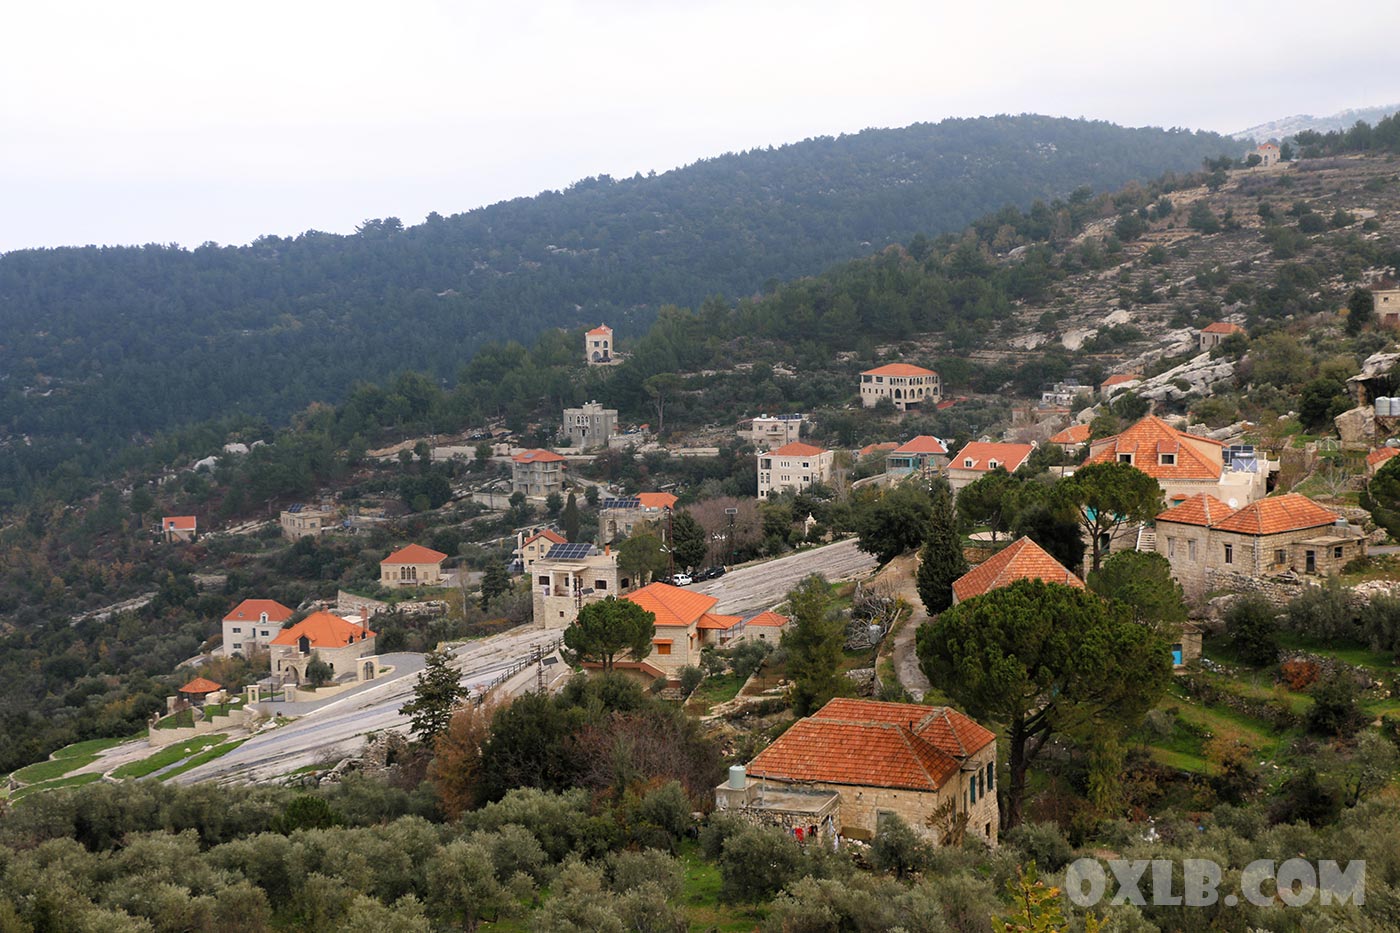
(793, 467)
(1212, 546)
(590, 425)
(619, 517)
(530, 548)
(569, 577)
(179, 528)
(1023, 559)
(685, 623)
(598, 346)
(769, 431)
(1213, 335)
(1268, 154)
(348, 647)
(299, 522)
(1387, 301)
(910, 388)
(924, 455)
(1118, 382)
(858, 762)
(537, 473)
(1072, 438)
(1184, 464)
(414, 565)
(979, 458)
(252, 624)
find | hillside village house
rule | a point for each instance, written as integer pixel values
(685, 623)
(978, 458)
(1379, 458)
(1387, 306)
(618, 517)
(1061, 394)
(598, 346)
(569, 577)
(1023, 559)
(854, 763)
(414, 565)
(1184, 464)
(1071, 439)
(1211, 545)
(1213, 335)
(924, 455)
(793, 467)
(531, 548)
(1117, 383)
(1268, 154)
(766, 626)
(590, 425)
(348, 647)
(537, 473)
(299, 522)
(179, 528)
(769, 431)
(252, 624)
(909, 387)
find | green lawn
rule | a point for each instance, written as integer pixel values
(215, 752)
(42, 771)
(90, 746)
(185, 718)
(700, 896)
(168, 756)
(717, 688)
(76, 780)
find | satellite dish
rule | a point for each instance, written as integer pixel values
(1233, 503)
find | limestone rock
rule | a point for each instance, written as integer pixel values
(1357, 426)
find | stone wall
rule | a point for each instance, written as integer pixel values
(1278, 590)
(159, 738)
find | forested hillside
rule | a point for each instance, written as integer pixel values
(106, 344)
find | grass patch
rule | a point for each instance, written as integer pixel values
(76, 780)
(185, 718)
(168, 756)
(217, 751)
(715, 689)
(700, 897)
(42, 771)
(91, 746)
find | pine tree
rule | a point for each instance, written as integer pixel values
(813, 643)
(688, 540)
(941, 561)
(493, 583)
(435, 697)
(570, 518)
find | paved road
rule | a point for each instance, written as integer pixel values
(750, 590)
(340, 726)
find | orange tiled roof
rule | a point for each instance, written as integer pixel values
(1380, 455)
(1022, 560)
(178, 522)
(1200, 509)
(871, 744)
(1145, 439)
(656, 500)
(871, 448)
(797, 449)
(1117, 379)
(1221, 327)
(1277, 514)
(1007, 456)
(899, 369)
(415, 554)
(600, 330)
(723, 623)
(537, 456)
(923, 444)
(770, 619)
(549, 534)
(1074, 434)
(323, 630)
(251, 610)
(672, 605)
(200, 685)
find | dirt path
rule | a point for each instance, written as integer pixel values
(906, 663)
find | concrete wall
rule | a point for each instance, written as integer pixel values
(159, 738)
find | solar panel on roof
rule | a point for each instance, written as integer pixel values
(294, 507)
(570, 551)
(629, 503)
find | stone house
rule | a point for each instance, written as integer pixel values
(179, 528)
(619, 517)
(766, 626)
(924, 455)
(793, 467)
(252, 624)
(910, 388)
(880, 760)
(598, 346)
(590, 425)
(530, 549)
(1379, 458)
(1210, 545)
(414, 565)
(348, 647)
(1061, 394)
(299, 522)
(537, 473)
(769, 431)
(569, 577)
(685, 624)
(1213, 335)
(1072, 438)
(1183, 464)
(1387, 306)
(1023, 559)
(1268, 154)
(978, 458)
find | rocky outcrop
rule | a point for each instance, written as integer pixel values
(1357, 426)
(1197, 376)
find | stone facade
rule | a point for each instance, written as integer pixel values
(770, 431)
(305, 523)
(590, 425)
(792, 467)
(1387, 306)
(537, 473)
(910, 388)
(598, 346)
(559, 587)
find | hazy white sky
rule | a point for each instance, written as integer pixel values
(185, 122)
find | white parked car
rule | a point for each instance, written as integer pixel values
(681, 579)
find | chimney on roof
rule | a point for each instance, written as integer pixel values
(607, 550)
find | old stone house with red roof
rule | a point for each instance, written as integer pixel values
(979, 458)
(685, 623)
(179, 528)
(792, 467)
(348, 647)
(537, 473)
(252, 624)
(598, 346)
(858, 762)
(1213, 335)
(1022, 559)
(924, 455)
(1379, 458)
(1072, 438)
(1212, 546)
(909, 388)
(414, 565)
(1183, 464)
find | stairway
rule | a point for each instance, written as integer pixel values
(1147, 539)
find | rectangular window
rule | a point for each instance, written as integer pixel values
(1191, 550)
(600, 584)
(1167, 459)
(237, 645)
(1125, 458)
(236, 630)
(1229, 553)
(543, 581)
(972, 790)
(1337, 552)
(1280, 556)
(663, 649)
(1171, 548)
(991, 774)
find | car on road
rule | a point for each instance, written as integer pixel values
(681, 579)
(709, 573)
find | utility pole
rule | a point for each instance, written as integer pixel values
(732, 513)
(670, 543)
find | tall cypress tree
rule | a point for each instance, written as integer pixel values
(570, 518)
(941, 561)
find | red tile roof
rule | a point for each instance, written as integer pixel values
(600, 331)
(864, 743)
(415, 554)
(200, 685)
(797, 449)
(1007, 456)
(656, 500)
(1117, 379)
(1144, 441)
(178, 522)
(871, 448)
(672, 605)
(1277, 514)
(1074, 434)
(1380, 455)
(899, 369)
(1023, 559)
(723, 623)
(251, 610)
(1221, 327)
(549, 534)
(770, 619)
(923, 444)
(537, 456)
(1200, 509)
(323, 630)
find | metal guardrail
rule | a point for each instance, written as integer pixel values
(540, 652)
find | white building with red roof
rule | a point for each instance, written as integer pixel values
(910, 388)
(537, 473)
(414, 565)
(1184, 464)
(181, 528)
(530, 548)
(792, 467)
(598, 346)
(978, 458)
(1213, 335)
(878, 759)
(348, 647)
(252, 624)
(685, 623)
